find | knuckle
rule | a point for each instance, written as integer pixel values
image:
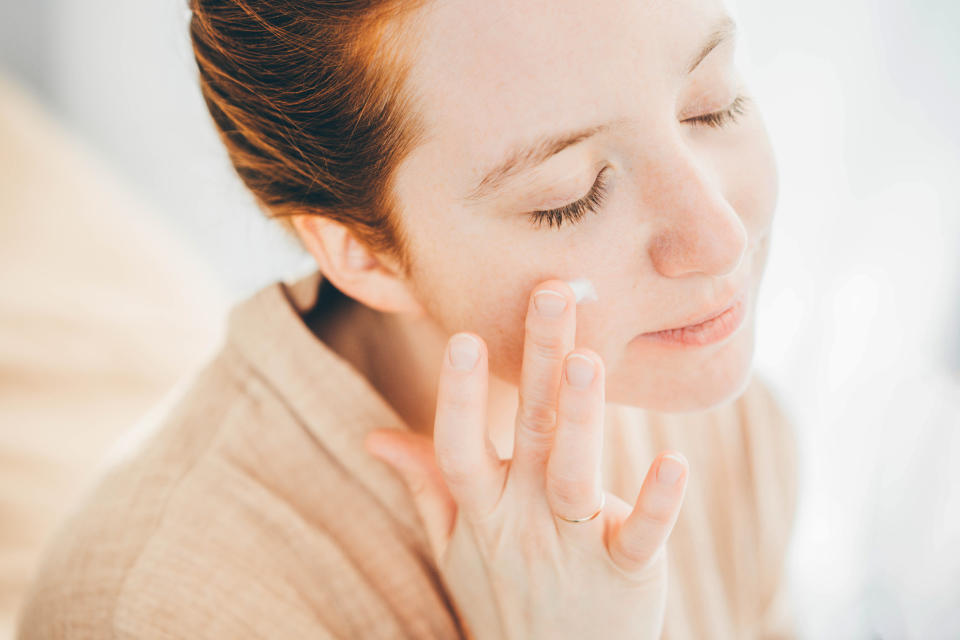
(453, 467)
(532, 543)
(568, 494)
(656, 506)
(577, 414)
(537, 415)
(545, 345)
(656, 518)
(454, 402)
(454, 474)
(645, 565)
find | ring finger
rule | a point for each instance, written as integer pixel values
(574, 482)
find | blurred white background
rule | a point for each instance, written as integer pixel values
(859, 325)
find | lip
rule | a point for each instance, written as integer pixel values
(716, 326)
(699, 319)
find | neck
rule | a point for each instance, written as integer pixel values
(401, 356)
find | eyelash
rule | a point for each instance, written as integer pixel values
(722, 118)
(575, 211)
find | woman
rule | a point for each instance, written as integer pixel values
(453, 166)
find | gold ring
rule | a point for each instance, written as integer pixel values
(603, 501)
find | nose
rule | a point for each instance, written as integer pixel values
(697, 231)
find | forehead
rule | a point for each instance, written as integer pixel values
(490, 73)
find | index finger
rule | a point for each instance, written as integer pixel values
(467, 458)
(550, 329)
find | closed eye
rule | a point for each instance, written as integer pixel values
(574, 211)
(724, 117)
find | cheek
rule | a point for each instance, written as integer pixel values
(465, 288)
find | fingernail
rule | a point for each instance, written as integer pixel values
(549, 304)
(464, 352)
(580, 370)
(671, 468)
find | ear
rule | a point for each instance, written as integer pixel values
(368, 278)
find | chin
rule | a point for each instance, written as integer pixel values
(686, 381)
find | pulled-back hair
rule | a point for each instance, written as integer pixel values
(307, 96)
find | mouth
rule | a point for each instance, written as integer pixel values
(708, 328)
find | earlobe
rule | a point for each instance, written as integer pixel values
(353, 268)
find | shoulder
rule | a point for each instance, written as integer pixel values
(171, 499)
(235, 521)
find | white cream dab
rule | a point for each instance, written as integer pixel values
(583, 290)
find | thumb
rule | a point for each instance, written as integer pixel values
(412, 456)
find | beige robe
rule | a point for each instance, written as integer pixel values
(255, 512)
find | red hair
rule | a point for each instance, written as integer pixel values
(308, 97)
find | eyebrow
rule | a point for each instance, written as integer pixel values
(723, 31)
(525, 157)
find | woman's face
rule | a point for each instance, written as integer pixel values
(683, 223)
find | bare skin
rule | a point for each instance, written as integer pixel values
(685, 223)
(514, 568)
(683, 226)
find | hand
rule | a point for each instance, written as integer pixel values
(514, 569)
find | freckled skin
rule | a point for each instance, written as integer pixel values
(688, 210)
(683, 227)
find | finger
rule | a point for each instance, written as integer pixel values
(646, 529)
(550, 328)
(411, 455)
(466, 456)
(574, 482)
